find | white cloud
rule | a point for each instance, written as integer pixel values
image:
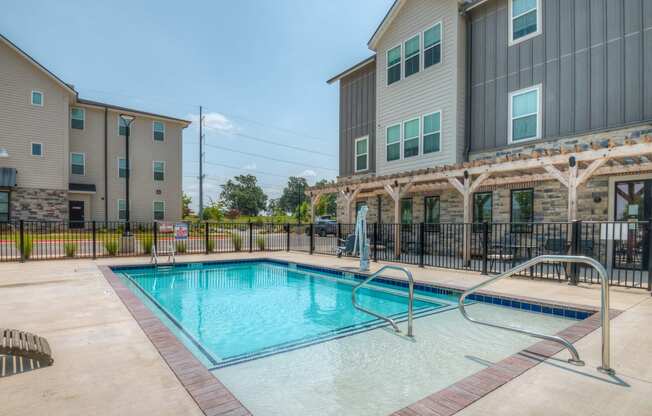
(214, 122)
(308, 173)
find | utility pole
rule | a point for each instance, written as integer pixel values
(201, 163)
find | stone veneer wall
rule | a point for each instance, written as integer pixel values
(33, 204)
(550, 197)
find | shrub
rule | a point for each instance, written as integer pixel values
(210, 245)
(26, 249)
(147, 242)
(70, 249)
(237, 241)
(181, 247)
(260, 243)
(111, 247)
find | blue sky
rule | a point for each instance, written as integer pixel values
(257, 66)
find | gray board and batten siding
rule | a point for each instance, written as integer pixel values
(593, 60)
(357, 116)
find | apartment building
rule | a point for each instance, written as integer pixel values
(62, 158)
(499, 110)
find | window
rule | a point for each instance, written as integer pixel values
(361, 154)
(522, 210)
(525, 20)
(525, 123)
(159, 131)
(159, 170)
(37, 98)
(432, 46)
(122, 167)
(412, 55)
(77, 118)
(432, 133)
(37, 149)
(77, 164)
(393, 65)
(411, 138)
(159, 210)
(4, 206)
(393, 142)
(122, 127)
(431, 207)
(122, 210)
(482, 209)
(406, 211)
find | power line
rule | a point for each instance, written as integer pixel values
(269, 158)
(301, 149)
(224, 179)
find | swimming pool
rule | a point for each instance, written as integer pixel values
(286, 340)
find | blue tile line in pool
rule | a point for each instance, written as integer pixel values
(535, 307)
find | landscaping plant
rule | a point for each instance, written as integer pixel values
(26, 249)
(111, 247)
(147, 243)
(70, 249)
(237, 241)
(181, 247)
(260, 243)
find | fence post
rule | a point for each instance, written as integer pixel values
(156, 237)
(287, 243)
(312, 238)
(206, 237)
(485, 247)
(649, 255)
(94, 240)
(422, 240)
(375, 241)
(576, 249)
(251, 236)
(339, 231)
(21, 243)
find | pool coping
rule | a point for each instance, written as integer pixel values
(213, 398)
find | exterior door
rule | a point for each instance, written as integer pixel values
(634, 205)
(76, 214)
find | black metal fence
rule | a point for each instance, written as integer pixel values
(624, 248)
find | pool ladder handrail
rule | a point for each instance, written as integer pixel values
(410, 297)
(604, 310)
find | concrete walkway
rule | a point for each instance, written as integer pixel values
(105, 365)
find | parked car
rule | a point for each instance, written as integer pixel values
(324, 226)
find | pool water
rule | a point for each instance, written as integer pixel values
(288, 342)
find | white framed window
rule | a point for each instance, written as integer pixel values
(394, 65)
(412, 55)
(525, 114)
(393, 138)
(158, 167)
(158, 131)
(37, 149)
(432, 46)
(77, 117)
(122, 210)
(78, 164)
(524, 20)
(36, 98)
(432, 133)
(411, 138)
(122, 167)
(158, 209)
(362, 154)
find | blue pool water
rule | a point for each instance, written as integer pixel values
(240, 311)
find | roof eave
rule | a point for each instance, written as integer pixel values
(117, 108)
(352, 69)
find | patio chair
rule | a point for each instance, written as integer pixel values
(346, 246)
(21, 352)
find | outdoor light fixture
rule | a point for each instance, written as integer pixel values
(572, 161)
(395, 183)
(4, 153)
(466, 174)
(127, 120)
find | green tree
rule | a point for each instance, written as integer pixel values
(293, 194)
(243, 194)
(213, 212)
(302, 212)
(186, 200)
(327, 205)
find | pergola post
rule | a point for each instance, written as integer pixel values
(396, 192)
(314, 200)
(466, 189)
(349, 197)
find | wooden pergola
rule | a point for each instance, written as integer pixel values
(572, 167)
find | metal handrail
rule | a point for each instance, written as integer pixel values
(604, 310)
(410, 297)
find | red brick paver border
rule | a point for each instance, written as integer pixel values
(212, 397)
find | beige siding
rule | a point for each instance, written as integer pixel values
(433, 89)
(21, 123)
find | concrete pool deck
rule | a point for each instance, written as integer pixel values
(106, 365)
